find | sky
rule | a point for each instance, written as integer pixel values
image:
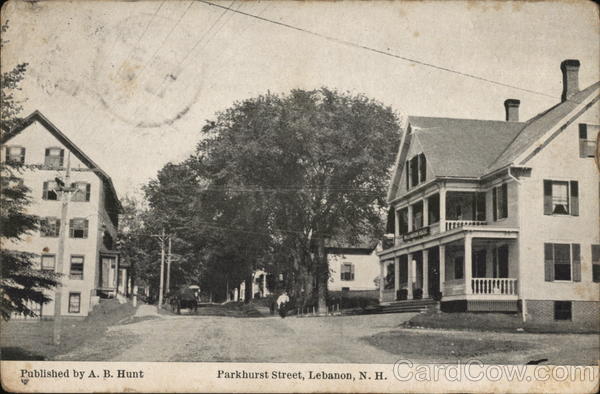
(133, 82)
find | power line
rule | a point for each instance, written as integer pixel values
(379, 51)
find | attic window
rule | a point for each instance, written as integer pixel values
(416, 170)
(15, 154)
(54, 157)
(587, 139)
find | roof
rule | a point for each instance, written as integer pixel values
(462, 147)
(39, 117)
(536, 127)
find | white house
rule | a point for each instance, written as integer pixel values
(79, 230)
(353, 266)
(501, 215)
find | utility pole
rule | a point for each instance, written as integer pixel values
(162, 268)
(169, 267)
(66, 189)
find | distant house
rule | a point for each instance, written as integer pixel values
(90, 262)
(353, 266)
(501, 215)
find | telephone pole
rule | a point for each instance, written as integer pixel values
(169, 267)
(162, 268)
(66, 189)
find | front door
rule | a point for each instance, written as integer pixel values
(107, 272)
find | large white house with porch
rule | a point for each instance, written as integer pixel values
(500, 215)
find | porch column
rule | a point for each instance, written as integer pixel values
(411, 275)
(442, 268)
(381, 279)
(410, 218)
(468, 261)
(425, 273)
(264, 294)
(396, 225)
(396, 275)
(442, 209)
(425, 212)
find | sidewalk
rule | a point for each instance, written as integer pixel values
(144, 310)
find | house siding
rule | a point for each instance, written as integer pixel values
(366, 270)
(560, 160)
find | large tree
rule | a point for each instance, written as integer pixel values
(313, 164)
(21, 282)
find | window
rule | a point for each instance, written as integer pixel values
(74, 302)
(596, 263)
(500, 201)
(76, 271)
(15, 154)
(433, 205)
(561, 198)
(82, 191)
(416, 170)
(48, 262)
(78, 228)
(562, 262)
(417, 215)
(562, 310)
(50, 191)
(347, 272)
(54, 157)
(587, 140)
(50, 227)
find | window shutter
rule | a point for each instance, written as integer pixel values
(62, 156)
(45, 191)
(582, 131)
(47, 152)
(423, 167)
(547, 197)
(85, 228)
(71, 222)
(548, 262)
(576, 250)
(504, 191)
(87, 192)
(22, 155)
(407, 166)
(494, 204)
(574, 198)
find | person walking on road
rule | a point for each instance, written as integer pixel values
(282, 302)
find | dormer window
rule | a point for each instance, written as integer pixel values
(416, 170)
(587, 140)
(54, 157)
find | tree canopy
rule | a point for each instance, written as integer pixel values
(276, 178)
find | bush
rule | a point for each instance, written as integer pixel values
(402, 294)
(418, 294)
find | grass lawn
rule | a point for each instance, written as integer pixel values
(431, 345)
(32, 339)
(497, 322)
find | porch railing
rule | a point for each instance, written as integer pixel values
(452, 224)
(494, 286)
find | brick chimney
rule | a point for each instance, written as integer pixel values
(512, 110)
(570, 72)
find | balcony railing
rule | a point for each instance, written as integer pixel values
(452, 224)
(494, 286)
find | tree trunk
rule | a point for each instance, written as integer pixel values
(322, 276)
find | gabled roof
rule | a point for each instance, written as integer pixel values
(462, 147)
(344, 242)
(39, 117)
(536, 127)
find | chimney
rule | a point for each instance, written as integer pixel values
(512, 110)
(570, 71)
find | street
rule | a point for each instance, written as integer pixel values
(345, 339)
